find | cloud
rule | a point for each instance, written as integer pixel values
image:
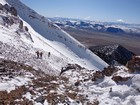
(120, 20)
(56, 16)
(88, 18)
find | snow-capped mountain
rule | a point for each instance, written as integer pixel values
(28, 80)
(35, 31)
(109, 27)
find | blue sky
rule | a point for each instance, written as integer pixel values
(100, 10)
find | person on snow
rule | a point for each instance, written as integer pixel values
(49, 54)
(37, 53)
(110, 89)
(41, 53)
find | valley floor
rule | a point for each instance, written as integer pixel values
(91, 38)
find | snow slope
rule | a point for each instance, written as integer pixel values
(57, 41)
(19, 45)
(76, 86)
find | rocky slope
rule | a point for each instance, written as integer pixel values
(23, 85)
(113, 53)
(62, 78)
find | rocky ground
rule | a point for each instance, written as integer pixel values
(39, 87)
(26, 79)
(22, 85)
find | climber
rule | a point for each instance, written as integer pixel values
(41, 53)
(49, 54)
(110, 89)
(37, 53)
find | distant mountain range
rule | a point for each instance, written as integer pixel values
(109, 27)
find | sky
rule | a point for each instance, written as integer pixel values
(100, 10)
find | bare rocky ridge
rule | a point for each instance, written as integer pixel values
(113, 54)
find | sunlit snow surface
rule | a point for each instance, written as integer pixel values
(47, 37)
(57, 41)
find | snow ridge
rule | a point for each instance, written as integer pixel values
(59, 40)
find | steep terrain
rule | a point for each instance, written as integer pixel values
(33, 26)
(112, 53)
(23, 85)
(61, 76)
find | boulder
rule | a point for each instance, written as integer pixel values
(13, 11)
(1, 6)
(120, 79)
(134, 64)
(21, 24)
(40, 99)
(7, 7)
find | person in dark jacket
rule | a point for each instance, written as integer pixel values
(41, 53)
(110, 89)
(37, 53)
(49, 54)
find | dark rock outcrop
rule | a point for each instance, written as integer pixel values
(21, 24)
(70, 67)
(113, 53)
(134, 64)
(1, 6)
(40, 99)
(109, 71)
(13, 11)
(7, 7)
(120, 79)
(26, 28)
